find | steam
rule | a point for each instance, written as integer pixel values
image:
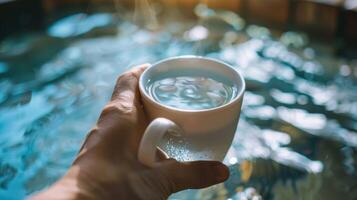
(144, 14)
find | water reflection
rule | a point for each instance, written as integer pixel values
(196, 33)
(283, 97)
(302, 119)
(3, 67)
(78, 24)
(296, 138)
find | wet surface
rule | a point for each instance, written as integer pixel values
(297, 136)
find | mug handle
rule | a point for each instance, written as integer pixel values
(151, 138)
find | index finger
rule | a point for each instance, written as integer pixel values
(126, 87)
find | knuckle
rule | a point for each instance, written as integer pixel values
(116, 109)
(125, 76)
(111, 109)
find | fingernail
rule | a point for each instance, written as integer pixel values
(222, 172)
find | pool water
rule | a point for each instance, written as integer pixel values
(297, 135)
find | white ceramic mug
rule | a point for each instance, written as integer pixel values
(207, 129)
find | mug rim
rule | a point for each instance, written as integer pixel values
(234, 100)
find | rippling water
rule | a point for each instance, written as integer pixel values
(297, 136)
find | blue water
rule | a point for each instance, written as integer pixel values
(297, 136)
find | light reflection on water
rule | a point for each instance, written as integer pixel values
(297, 134)
(78, 24)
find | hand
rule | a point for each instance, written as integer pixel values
(107, 166)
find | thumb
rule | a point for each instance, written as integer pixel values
(193, 175)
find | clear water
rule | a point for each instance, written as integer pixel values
(191, 92)
(297, 135)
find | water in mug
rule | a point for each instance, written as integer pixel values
(191, 92)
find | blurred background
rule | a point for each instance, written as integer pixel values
(297, 136)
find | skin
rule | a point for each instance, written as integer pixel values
(107, 166)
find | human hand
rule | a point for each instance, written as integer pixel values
(107, 166)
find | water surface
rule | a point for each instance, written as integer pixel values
(297, 134)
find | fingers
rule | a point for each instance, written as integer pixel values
(161, 155)
(194, 175)
(126, 87)
(118, 116)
